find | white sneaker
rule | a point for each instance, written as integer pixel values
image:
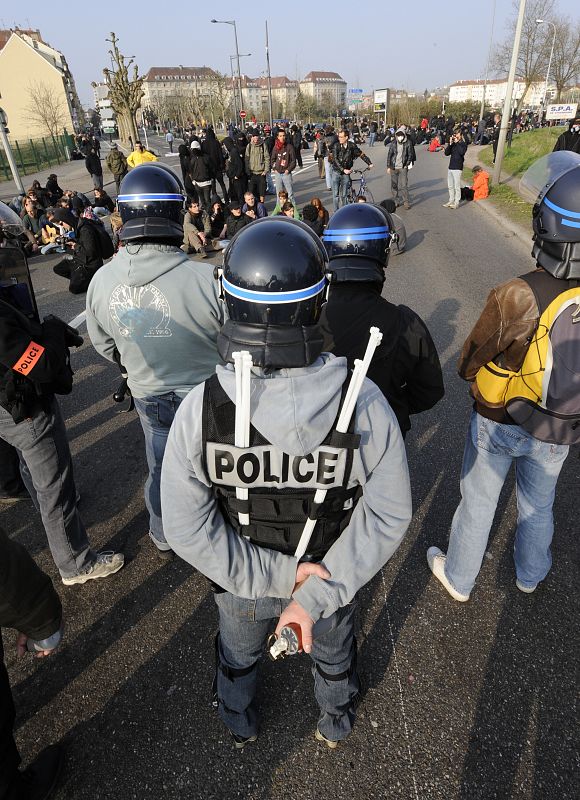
(436, 560)
(320, 737)
(454, 205)
(447, 204)
(105, 564)
(526, 589)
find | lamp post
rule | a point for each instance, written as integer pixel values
(547, 22)
(238, 56)
(233, 22)
(482, 109)
(269, 79)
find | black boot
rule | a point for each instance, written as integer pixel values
(39, 780)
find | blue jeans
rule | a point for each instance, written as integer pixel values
(490, 449)
(244, 628)
(372, 139)
(328, 173)
(283, 181)
(47, 471)
(156, 415)
(340, 184)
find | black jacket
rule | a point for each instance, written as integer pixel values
(88, 248)
(93, 164)
(409, 156)
(405, 366)
(214, 152)
(235, 224)
(568, 140)
(199, 167)
(344, 157)
(457, 151)
(28, 601)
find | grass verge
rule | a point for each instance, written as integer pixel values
(526, 148)
(507, 201)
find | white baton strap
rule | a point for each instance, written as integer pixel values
(243, 369)
(358, 375)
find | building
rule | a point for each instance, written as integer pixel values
(320, 85)
(35, 75)
(168, 90)
(495, 92)
(104, 108)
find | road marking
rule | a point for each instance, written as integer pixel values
(78, 320)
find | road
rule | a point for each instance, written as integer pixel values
(461, 702)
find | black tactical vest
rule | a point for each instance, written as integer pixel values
(278, 515)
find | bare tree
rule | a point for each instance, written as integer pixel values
(46, 108)
(535, 44)
(220, 96)
(125, 93)
(566, 58)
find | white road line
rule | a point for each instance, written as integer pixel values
(78, 320)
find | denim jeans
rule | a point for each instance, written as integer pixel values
(328, 172)
(454, 185)
(244, 628)
(47, 471)
(490, 450)
(340, 184)
(372, 139)
(283, 181)
(156, 415)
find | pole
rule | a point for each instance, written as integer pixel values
(145, 135)
(548, 72)
(11, 162)
(269, 79)
(239, 73)
(482, 109)
(234, 92)
(506, 115)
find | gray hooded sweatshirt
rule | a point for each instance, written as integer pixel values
(294, 409)
(162, 312)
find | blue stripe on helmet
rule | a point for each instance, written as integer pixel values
(274, 297)
(571, 224)
(131, 198)
(359, 238)
(559, 210)
(356, 231)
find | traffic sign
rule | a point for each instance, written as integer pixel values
(355, 91)
(243, 114)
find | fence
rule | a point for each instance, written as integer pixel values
(32, 155)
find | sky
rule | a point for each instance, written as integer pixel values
(406, 45)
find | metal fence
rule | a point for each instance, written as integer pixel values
(32, 155)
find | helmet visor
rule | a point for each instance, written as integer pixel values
(544, 172)
(9, 220)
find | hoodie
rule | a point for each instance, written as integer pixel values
(306, 403)
(570, 139)
(161, 312)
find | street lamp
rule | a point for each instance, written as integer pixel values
(233, 22)
(482, 109)
(241, 55)
(547, 22)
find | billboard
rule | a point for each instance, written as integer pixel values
(561, 110)
(381, 100)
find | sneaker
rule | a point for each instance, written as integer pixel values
(106, 564)
(163, 550)
(526, 589)
(241, 741)
(407, 206)
(39, 780)
(454, 205)
(320, 737)
(447, 205)
(436, 560)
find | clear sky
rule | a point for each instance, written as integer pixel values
(414, 45)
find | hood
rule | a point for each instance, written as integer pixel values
(143, 263)
(401, 129)
(305, 400)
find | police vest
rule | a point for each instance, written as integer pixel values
(281, 487)
(543, 396)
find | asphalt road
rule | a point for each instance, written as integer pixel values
(461, 702)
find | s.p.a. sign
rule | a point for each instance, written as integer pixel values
(561, 111)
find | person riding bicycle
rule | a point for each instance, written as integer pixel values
(342, 156)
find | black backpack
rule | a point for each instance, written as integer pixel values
(106, 245)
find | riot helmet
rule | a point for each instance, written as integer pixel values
(150, 202)
(556, 213)
(357, 241)
(274, 283)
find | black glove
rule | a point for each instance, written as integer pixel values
(72, 337)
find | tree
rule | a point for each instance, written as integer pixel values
(327, 106)
(566, 59)
(220, 98)
(124, 93)
(47, 109)
(534, 46)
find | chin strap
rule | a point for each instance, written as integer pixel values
(271, 347)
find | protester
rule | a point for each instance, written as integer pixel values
(169, 139)
(90, 245)
(570, 139)
(283, 163)
(251, 208)
(282, 200)
(139, 156)
(479, 190)
(103, 204)
(254, 563)
(197, 231)
(320, 152)
(322, 212)
(200, 174)
(217, 217)
(456, 149)
(310, 217)
(117, 165)
(235, 171)
(400, 159)
(257, 164)
(211, 148)
(235, 221)
(342, 156)
(94, 168)
(53, 190)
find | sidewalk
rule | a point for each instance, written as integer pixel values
(72, 175)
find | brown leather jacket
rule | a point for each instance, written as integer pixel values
(502, 334)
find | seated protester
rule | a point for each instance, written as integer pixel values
(42, 196)
(31, 195)
(197, 231)
(400, 237)
(51, 234)
(235, 221)
(288, 210)
(53, 190)
(217, 217)
(31, 220)
(310, 217)
(77, 201)
(253, 209)
(322, 212)
(479, 190)
(116, 225)
(283, 198)
(434, 145)
(103, 204)
(88, 245)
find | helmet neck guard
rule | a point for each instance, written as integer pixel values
(271, 346)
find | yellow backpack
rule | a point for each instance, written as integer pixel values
(543, 396)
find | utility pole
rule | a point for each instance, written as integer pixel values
(269, 79)
(482, 109)
(9, 154)
(507, 106)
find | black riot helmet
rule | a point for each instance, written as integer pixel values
(357, 241)
(274, 283)
(150, 203)
(556, 224)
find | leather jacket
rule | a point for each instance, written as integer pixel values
(343, 157)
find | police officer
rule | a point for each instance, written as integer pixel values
(522, 360)
(34, 367)
(157, 313)
(405, 366)
(274, 283)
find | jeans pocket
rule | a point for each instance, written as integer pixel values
(239, 607)
(499, 439)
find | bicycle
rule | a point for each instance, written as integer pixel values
(362, 191)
